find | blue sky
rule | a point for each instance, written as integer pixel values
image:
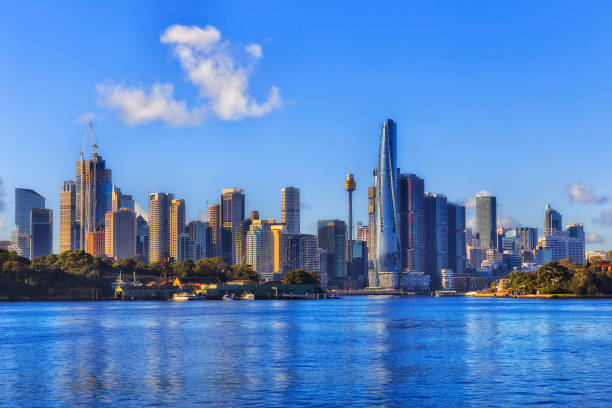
(511, 98)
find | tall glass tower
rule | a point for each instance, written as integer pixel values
(387, 226)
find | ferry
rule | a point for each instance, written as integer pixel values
(248, 296)
(229, 297)
(182, 297)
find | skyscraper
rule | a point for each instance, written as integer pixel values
(553, 222)
(575, 230)
(290, 209)
(142, 238)
(436, 233)
(259, 248)
(456, 238)
(159, 226)
(372, 229)
(93, 195)
(120, 234)
(486, 221)
(412, 222)
(387, 226)
(214, 224)
(197, 231)
(25, 201)
(41, 232)
(241, 238)
(177, 225)
(331, 237)
(528, 237)
(120, 200)
(69, 230)
(232, 212)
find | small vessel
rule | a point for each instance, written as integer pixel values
(181, 297)
(229, 297)
(248, 296)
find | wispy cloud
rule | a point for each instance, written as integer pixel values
(86, 117)
(594, 238)
(583, 193)
(471, 202)
(2, 195)
(219, 70)
(141, 211)
(508, 222)
(604, 218)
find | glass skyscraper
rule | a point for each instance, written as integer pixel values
(387, 226)
(486, 221)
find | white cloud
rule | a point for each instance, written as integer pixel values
(2, 224)
(471, 202)
(86, 117)
(136, 106)
(254, 50)
(583, 193)
(141, 211)
(594, 238)
(470, 222)
(212, 65)
(508, 222)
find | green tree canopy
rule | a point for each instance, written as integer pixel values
(301, 277)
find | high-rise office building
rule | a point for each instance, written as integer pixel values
(486, 221)
(241, 238)
(25, 201)
(41, 232)
(69, 229)
(214, 224)
(553, 222)
(280, 249)
(303, 253)
(331, 237)
(576, 242)
(290, 209)
(177, 225)
(232, 212)
(388, 260)
(142, 238)
(120, 234)
(93, 195)
(412, 221)
(372, 228)
(456, 238)
(259, 248)
(575, 230)
(363, 232)
(95, 244)
(436, 241)
(197, 231)
(120, 200)
(528, 237)
(159, 226)
(187, 248)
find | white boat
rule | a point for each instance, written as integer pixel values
(229, 297)
(181, 297)
(248, 296)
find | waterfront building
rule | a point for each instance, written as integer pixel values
(241, 238)
(412, 221)
(436, 237)
(553, 221)
(290, 209)
(41, 232)
(120, 200)
(95, 244)
(528, 238)
(303, 253)
(486, 221)
(456, 238)
(357, 269)
(331, 237)
(120, 234)
(93, 195)
(388, 261)
(197, 231)
(69, 229)
(232, 212)
(159, 226)
(142, 238)
(177, 225)
(214, 224)
(259, 248)
(415, 281)
(25, 201)
(280, 249)
(447, 279)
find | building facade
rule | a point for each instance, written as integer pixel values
(290, 209)
(159, 226)
(331, 237)
(41, 232)
(486, 221)
(412, 222)
(232, 212)
(120, 234)
(69, 229)
(177, 225)
(456, 238)
(436, 233)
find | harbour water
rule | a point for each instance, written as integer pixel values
(356, 351)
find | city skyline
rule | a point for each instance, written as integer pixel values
(425, 147)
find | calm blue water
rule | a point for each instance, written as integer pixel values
(358, 351)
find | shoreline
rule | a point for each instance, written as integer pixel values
(542, 296)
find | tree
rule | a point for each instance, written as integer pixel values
(212, 267)
(244, 272)
(185, 268)
(301, 277)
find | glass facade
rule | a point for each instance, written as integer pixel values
(387, 226)
(486, 221)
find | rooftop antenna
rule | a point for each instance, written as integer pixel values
(94, 145)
